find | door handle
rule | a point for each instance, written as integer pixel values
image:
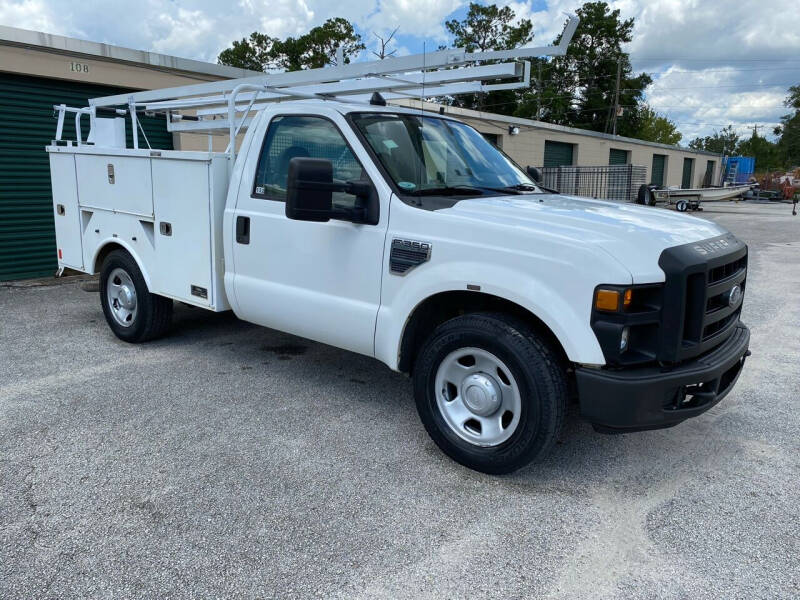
(243, 230)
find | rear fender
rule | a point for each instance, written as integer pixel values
(127, 247)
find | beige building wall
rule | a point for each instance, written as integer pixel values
(46, 63)
(200, 141)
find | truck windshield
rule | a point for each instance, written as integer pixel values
(432, 156)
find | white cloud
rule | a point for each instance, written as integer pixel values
(420, 18)
(37, 15)
(278, 18)
(185, 31)
(705, 58)
(712, 63)
(547, 23)
(689, 31)
(703, 100)
(201, 28)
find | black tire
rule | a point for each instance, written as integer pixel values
(645, 195)
(535, 367)
(153, 313)
(642, 194)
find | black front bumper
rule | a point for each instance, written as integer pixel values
(654, 397)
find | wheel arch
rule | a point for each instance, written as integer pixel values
(107, 247)
(443, 306)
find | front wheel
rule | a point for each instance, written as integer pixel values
(132, 312)
(490, 392)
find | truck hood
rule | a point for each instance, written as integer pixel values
(634, 235)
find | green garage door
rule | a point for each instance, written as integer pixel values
(617, 157)
(688, 167)
(709, 173)
(27, 234)
(657, 172)
(557, 154)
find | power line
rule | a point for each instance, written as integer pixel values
(787, 60)
(759, 70)
(714, 87)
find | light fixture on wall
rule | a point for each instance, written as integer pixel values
(513, 130)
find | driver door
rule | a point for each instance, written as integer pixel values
(317, 280)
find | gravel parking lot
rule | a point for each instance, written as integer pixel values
(231, 460)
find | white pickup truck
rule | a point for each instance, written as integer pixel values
(407, 237)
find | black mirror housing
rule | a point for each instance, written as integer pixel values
(534, 174)
(309, 194)
(309, 190)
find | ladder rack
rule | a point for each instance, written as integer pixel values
(225, 107)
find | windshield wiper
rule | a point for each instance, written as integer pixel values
(519, 188)
(449, 191)
(468, 190)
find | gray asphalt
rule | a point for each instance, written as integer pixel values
(233, 461)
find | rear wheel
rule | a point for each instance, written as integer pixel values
(490, 392)
(132, 312)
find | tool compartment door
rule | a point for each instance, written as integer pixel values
(66, 213)
(116, 183)
(181, 199)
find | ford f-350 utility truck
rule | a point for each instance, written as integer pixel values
(407, 237)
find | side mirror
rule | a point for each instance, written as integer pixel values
(534, 173)
(309, 190)
(309, 194)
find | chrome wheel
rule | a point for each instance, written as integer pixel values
(121, 297)
(478, 396)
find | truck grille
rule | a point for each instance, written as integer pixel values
(705, 310)
(719, 313)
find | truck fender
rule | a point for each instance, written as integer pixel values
(571, 329)
(123, 244)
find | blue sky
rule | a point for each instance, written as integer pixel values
(713, 63)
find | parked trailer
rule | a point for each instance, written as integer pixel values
(407, 237)
(690, 199)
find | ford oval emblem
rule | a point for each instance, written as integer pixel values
(735, 295)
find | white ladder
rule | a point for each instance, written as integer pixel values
(730, 177)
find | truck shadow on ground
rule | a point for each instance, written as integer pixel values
(581, 457)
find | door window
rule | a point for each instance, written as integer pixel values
(291, 137)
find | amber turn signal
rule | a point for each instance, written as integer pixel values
(606, 300)
(609, 300)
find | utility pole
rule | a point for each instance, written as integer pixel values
(539, 93)
(616, 99)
